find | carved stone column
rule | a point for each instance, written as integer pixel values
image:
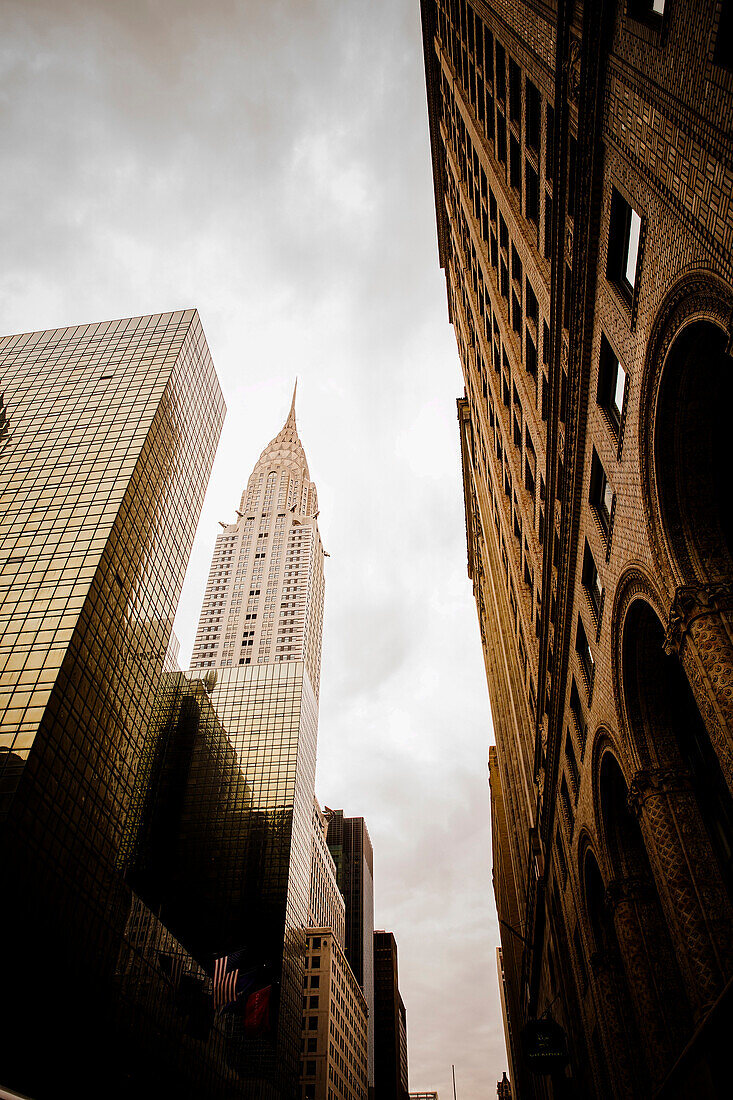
(653, 979)
(700, 631)
(615, 1018)
(698, 912)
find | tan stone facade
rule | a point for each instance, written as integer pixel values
(335, 1058)
(583, 175)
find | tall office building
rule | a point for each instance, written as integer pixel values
(583, 167)
(107, 437)
(264, 599)
(351, 848)
(260, 635)
(390, 1023)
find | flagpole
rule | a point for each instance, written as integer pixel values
(454, 1082)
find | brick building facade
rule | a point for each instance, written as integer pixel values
(583, 172)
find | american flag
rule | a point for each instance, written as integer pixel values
(225, 980)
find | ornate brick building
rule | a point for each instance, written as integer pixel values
(583, 172)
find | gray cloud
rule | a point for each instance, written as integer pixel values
(269, 163)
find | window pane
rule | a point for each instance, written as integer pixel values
(619, 389)
(632, 251)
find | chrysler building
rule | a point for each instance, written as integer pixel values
(264, 597)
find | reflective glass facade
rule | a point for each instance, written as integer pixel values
(270, 714)
(109, 432)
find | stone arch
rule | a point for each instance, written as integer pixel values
(683, 805)
(662, 713)
(687, 361)
(634, 585)
(616, 1019)
(685, 408)
(602, 742)
(663, 1013)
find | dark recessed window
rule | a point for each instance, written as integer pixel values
(488, 55)
(531, 303)
(530, 354)
(503, 234)
(583, 650)
(532, 116)
(611, 384)
(648, 11)
(500, 73)
(516, 315)
(489, 119)
(591, 580)
(723, 54)
(500, 137)
(515, 164)
(515, 91)
(623, 243)
(601, 493)
(531, 194)
(577, 710)
(516, 266)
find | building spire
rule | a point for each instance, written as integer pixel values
(286, 448)
(290, 422)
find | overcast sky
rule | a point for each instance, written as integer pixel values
(267, 161)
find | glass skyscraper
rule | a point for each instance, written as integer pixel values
(107, 436)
